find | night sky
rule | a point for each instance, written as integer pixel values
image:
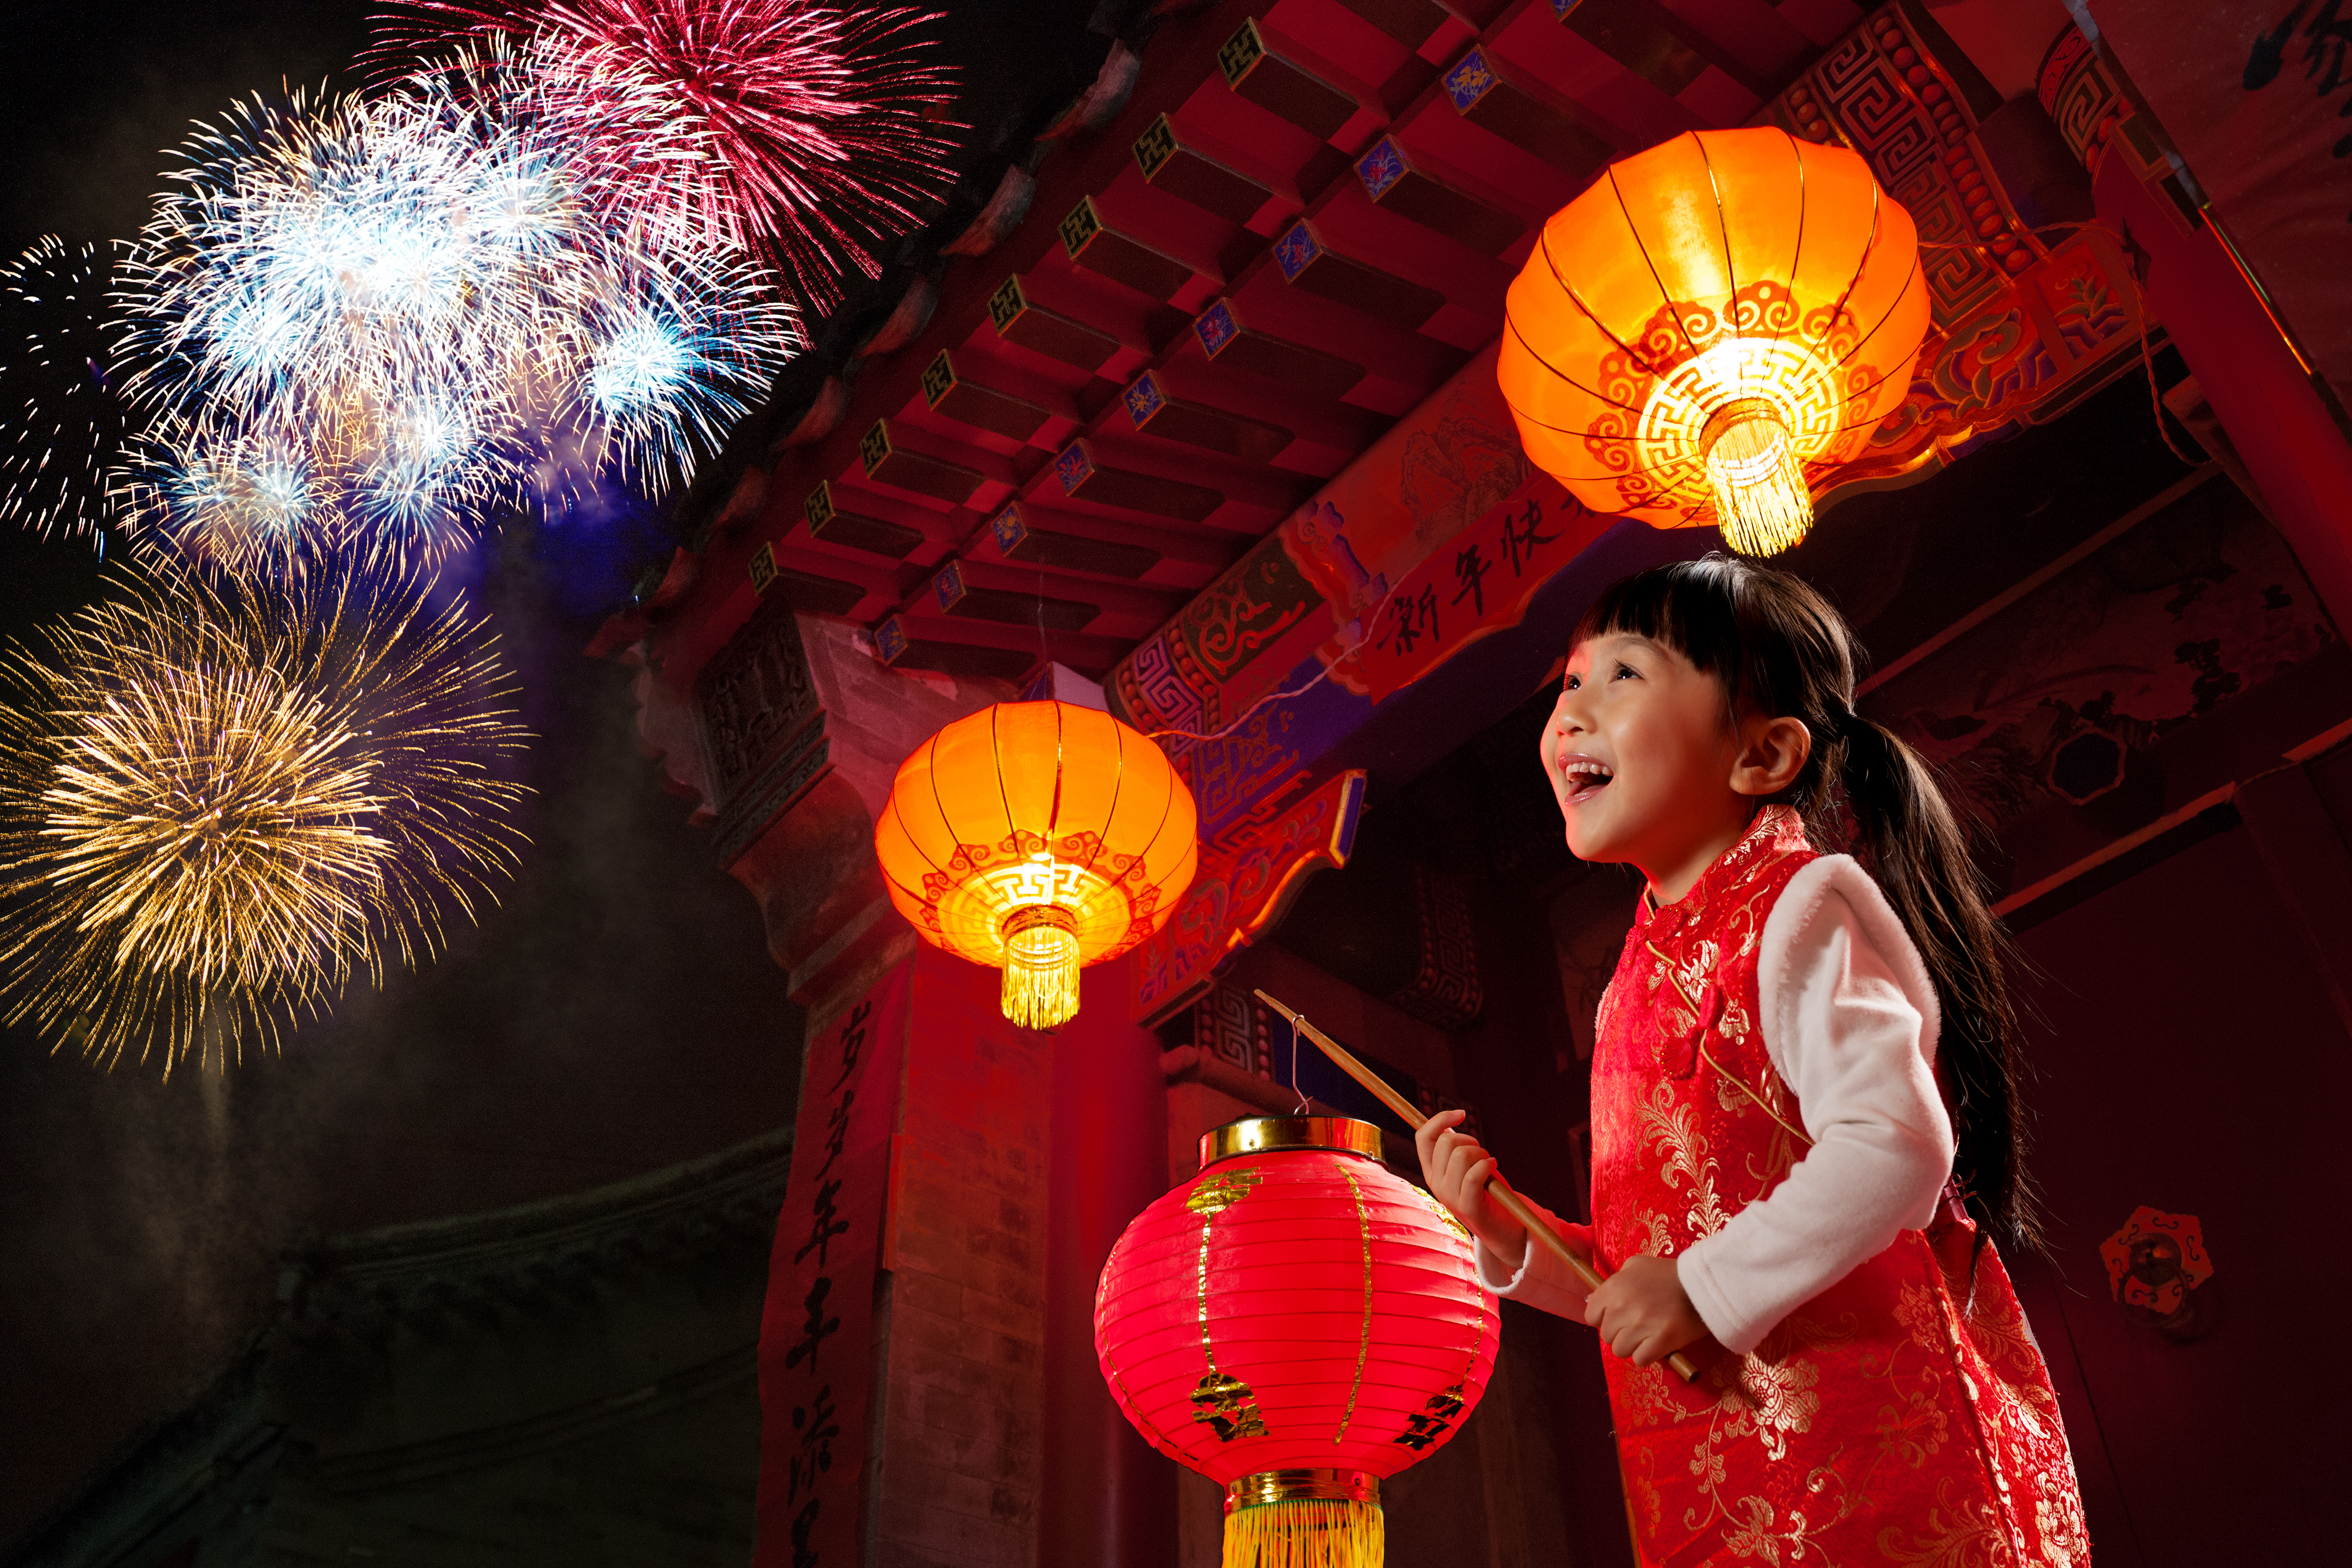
(617, 1013)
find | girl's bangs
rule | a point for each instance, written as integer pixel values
(1689, 607)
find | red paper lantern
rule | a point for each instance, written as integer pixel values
(1296, 1323)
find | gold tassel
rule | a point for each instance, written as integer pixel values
(1041, 967)
(1313, 1532)
(1305, 1519)
(1760, 500)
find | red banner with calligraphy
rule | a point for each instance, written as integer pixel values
(1478, 582)
(816, 1335)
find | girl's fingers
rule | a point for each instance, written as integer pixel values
(1427, 1134)
(1475, 1182)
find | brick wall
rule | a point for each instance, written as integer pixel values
(961, 1321)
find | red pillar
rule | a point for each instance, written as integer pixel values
(1104, 1495)
(2252, 379)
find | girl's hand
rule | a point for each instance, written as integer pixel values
(1641, 1311)
(1456, 1168)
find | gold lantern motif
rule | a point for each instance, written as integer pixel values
(1037, 838)
(1713, 329)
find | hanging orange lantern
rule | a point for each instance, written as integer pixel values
(1297, 1324)
(1712, 329)
(1037, 838)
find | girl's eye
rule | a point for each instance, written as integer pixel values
(1574, 684)
(1626, 670)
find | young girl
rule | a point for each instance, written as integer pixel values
(1790, 1056)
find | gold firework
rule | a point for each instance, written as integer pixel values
(221, 803)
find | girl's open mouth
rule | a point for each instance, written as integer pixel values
(1584, 778)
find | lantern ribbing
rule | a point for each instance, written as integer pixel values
(1037, 838)
(1712, 329)
(1295, 1323)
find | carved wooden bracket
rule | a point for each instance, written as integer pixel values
(1246, 882)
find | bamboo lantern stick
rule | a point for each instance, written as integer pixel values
(1513, 1205)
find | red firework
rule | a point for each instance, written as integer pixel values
(825, 124)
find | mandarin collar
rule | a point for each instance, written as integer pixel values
(1776, 828)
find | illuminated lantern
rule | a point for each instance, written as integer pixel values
(1295, 1323)
(1712, 329)
(1037, 838)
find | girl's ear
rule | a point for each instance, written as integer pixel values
(1772, 752)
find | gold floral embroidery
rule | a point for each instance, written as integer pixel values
(1953, 1535)
(1777, 1397)
(1647, 1396)
(1999, 1331)
(1752, 1535)
(1672, 1132)
(1706, 1465)
(1866, 1436)
(1921, 1315)
(1728, 1081)
(2058, 1519)
(1914, 1430)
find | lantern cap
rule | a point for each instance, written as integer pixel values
(1260, 1134)
(1294, 1485)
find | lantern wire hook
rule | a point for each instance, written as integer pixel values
(1044, 652)
(1301, 1093)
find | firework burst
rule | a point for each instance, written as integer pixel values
(60, 424)
(362, 329)
(220, 805)
(815, 130)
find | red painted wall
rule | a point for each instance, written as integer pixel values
(2188, 1056)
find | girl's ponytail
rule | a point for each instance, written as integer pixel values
(1913, 846)
(1779, 649)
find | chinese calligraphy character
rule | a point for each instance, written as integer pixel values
(1444, 1410)
(1520, 538)
(2325, 38)
(803, 1526)
(1470, 570)
(817, 1327)
(818, 1425)
(836, 1132)
(2270, 52)
(852, 1042)
(2324, 41)
(826, 1223)
(1411, 616)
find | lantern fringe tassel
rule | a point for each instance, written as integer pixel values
(1309, 1532)
(1041, 967)
(1041, 996)
(1760, 500)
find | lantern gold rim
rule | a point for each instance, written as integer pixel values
(1269, 1487)
(1265, 1134)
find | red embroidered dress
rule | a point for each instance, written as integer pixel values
(1903, 1415)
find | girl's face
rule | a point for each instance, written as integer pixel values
(1641, 752)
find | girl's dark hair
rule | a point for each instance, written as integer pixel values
(1779, 649)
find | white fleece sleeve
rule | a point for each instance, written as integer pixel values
(1849, 1021)
(1542, 1281)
